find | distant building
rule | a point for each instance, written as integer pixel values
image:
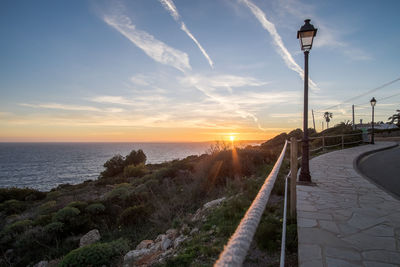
(377, 126)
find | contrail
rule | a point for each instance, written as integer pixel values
(154, 48)
(173, 11)
(282, 50)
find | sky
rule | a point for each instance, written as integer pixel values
(198, 70)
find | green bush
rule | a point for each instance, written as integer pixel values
(54, 228)
(80, 205)
(135, 158)
(98, 254)
(113, 166)
(48, 207)
(135, 170)
(20, 194)
(18, 227)
(269, 233)
(95, 208)
(120, 192)
(132, 215)
(12, 206)
(66, 214)
(42, 220)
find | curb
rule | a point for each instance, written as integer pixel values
(365, 154)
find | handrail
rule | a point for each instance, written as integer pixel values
(283, 243)
(236, 250)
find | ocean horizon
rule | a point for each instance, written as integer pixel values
(45, 165)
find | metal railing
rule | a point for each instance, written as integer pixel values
(236, 250)
(283, 243)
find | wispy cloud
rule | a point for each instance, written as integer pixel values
(154, 48)
(71, 107)
(112, 99)
(171, 8)
(282, 50)
(235, 103)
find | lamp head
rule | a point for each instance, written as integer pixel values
(306, 35)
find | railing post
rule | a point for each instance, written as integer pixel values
(293, 176)
(323, 143)
(342, 141)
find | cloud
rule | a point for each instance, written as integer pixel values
(282, 50)
(231, 103)
(71, 107)
(154, 48)
(171, 8)
(328, 35)
(112, 99)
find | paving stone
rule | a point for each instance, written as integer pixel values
(309, 253)
(378, 264)
(302, 222)
(345, 220)
(332, 262)
(343, 253)
(382, 256)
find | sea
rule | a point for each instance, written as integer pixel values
(44, 166)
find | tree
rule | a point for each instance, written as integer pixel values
(395, 117)
(135, 158)
(327, 117)
(113, 166)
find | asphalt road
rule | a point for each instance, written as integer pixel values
(384, 169)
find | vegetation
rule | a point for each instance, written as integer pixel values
(136, 201)
(395, 117)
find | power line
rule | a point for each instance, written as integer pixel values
(363, 94)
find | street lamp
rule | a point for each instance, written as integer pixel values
(373, 103)
(306, 35)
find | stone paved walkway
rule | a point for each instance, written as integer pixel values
(345, 220)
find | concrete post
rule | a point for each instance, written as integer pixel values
(293, 176)
(342, 141)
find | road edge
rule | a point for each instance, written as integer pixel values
(357, 160)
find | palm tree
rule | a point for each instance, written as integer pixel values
(327, 117)
(395, 117)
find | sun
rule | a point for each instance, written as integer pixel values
(232, 138)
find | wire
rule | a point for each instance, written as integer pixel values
(363, 94)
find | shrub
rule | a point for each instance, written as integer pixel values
(95, 208)
(135, 170)
(120, 192)
(98, 254)
(12, 206)
(54, 228)
(135, 158)
(268, 233)
(80, 205)
(133, 215)
(66, 214)
(20, 194)
(113, 166)
(42, 220)
(48, 207)
(18, 227)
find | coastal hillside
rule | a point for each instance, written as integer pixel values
(177, 213)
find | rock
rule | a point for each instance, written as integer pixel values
(185, 229)
(133, 255)
(89, 238)
(200, 213)
(41, 264)
(194, 230)
(145, 244)
(213, 203)
(172, 233)
(166, 243)
(179, 240)
(159, 238)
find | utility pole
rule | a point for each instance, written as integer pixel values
(322, 125)
(354, 125)
(313, 119)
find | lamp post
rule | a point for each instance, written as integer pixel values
(373, 103)
(306, 35)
